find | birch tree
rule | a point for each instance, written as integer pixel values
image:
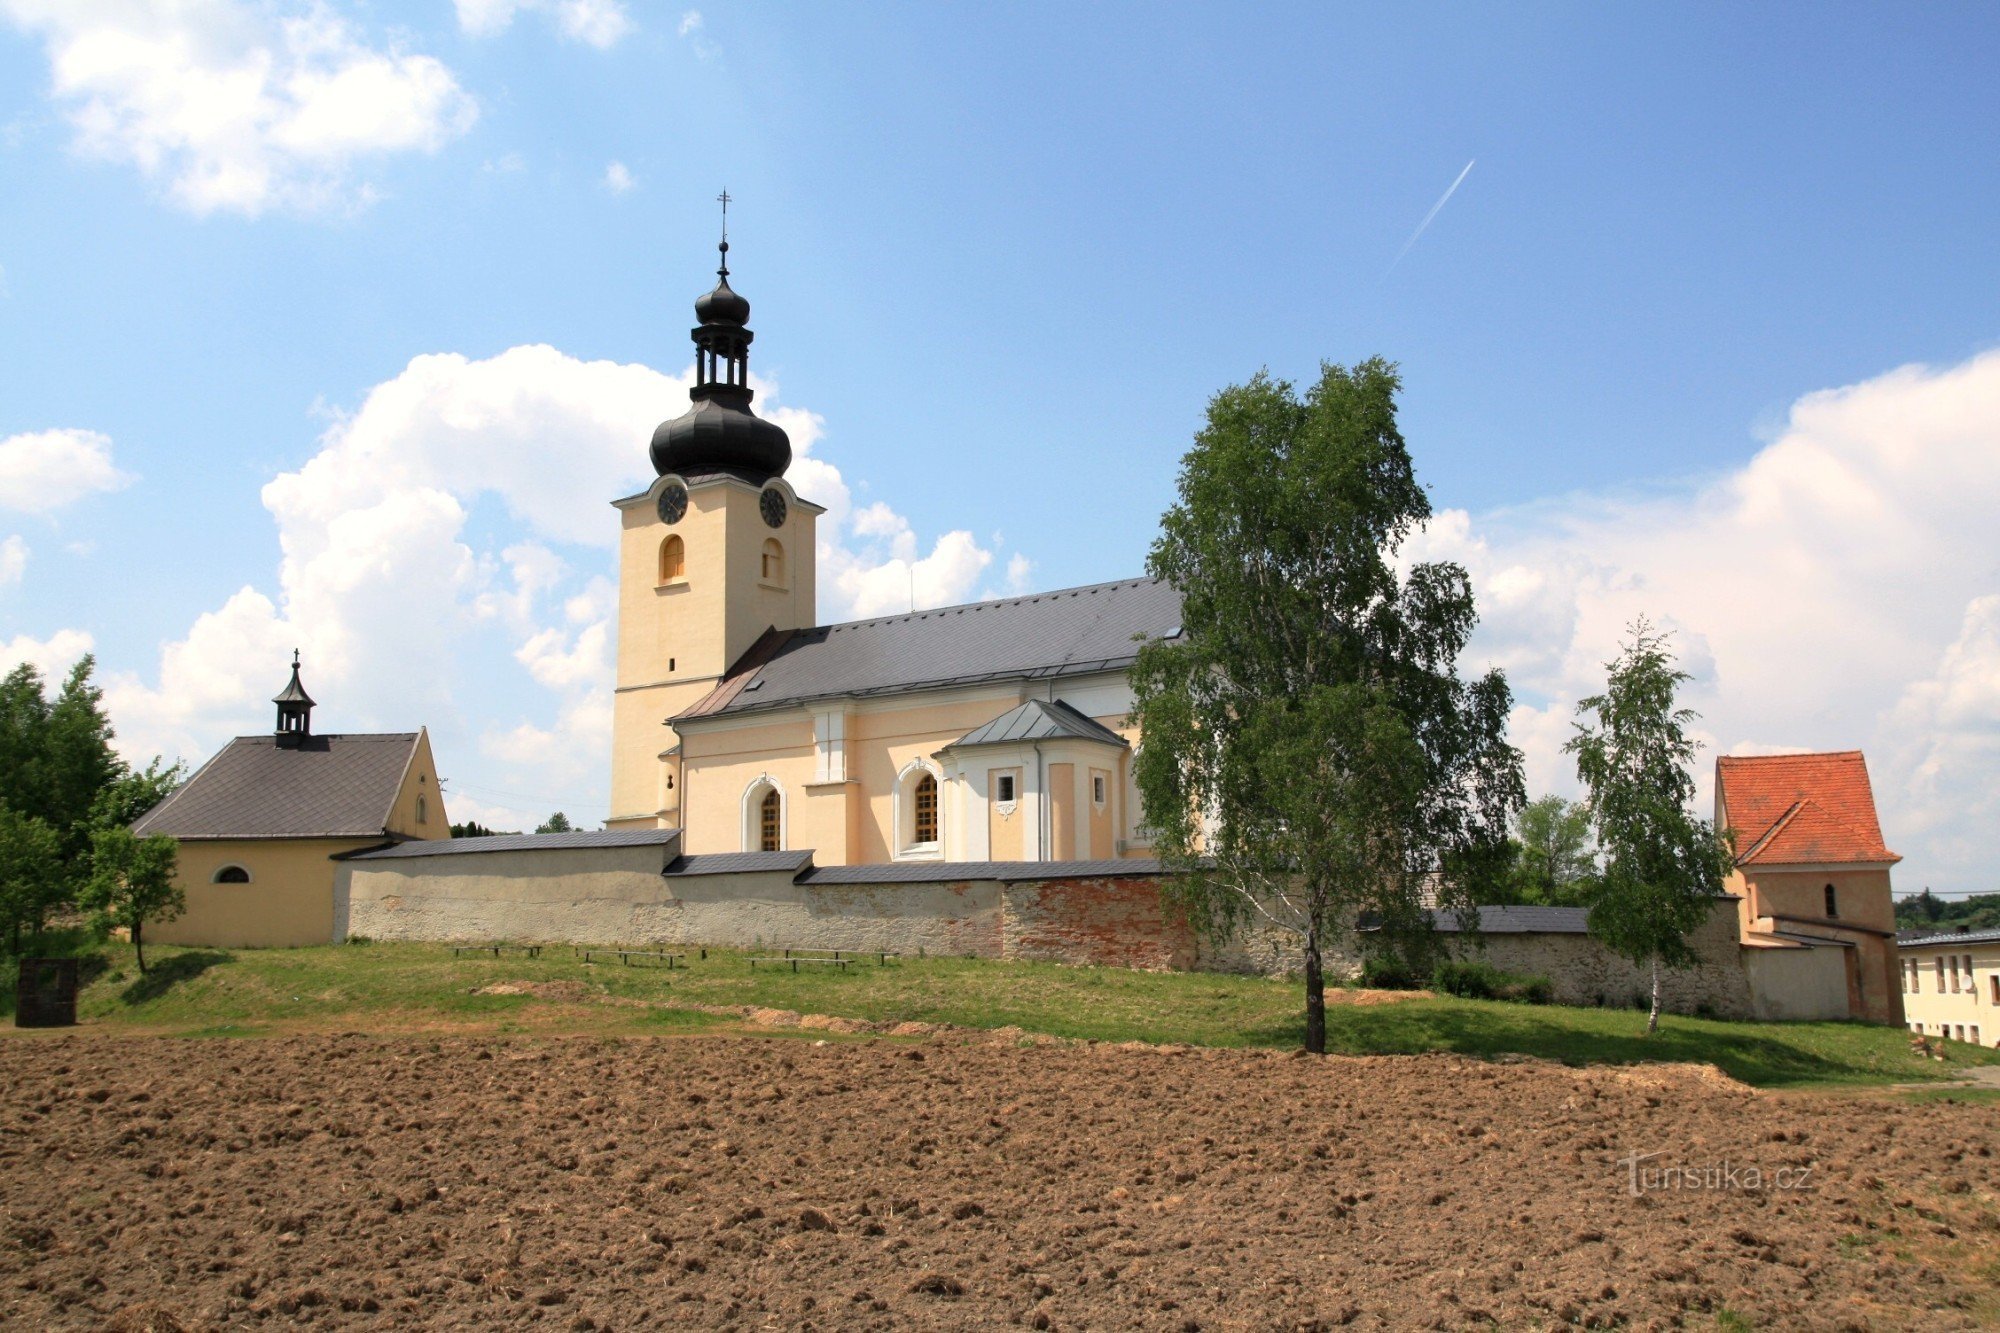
(1662, 866)
(1311, 753)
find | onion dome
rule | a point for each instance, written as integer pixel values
(723, 305)
(719, 433)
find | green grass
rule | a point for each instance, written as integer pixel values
(414, 987)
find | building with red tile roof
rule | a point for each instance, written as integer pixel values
(1810, 865)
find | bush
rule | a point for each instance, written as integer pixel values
(1483, 981)
(1388, 974)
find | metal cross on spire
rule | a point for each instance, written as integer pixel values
(723, 199)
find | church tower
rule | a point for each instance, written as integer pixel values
(716, 551)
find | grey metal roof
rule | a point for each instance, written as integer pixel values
(737, 863)
(520, 842)
(1069, 632)
(1535, 920)
(329, 786)
(1942, 938)
(1036, 720)
(952, 872)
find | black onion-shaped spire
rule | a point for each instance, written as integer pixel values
(720, 433)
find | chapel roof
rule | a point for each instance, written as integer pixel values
(519, 842)
(1801, 809)
(1046, 636)
(322, 787)
(1039, 720)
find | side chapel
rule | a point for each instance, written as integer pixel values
(994, 731)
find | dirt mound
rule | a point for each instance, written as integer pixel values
(541, 990)
(962, 1181)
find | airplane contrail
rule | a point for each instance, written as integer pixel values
(1443, 199)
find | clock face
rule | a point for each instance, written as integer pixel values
(772, 503)
(673, 503)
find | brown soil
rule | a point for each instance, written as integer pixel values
(470, 1183)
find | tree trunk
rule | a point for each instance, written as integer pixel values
(1315, 996)
(1653, 1019)
(139, 948)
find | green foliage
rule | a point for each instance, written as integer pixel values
(126, 797)
(1387, 972)
(556, 823)
(1558, 861)
(1311, 752)
(60, 779)
(1927, 911)
(55, 753)
(472, 828)
(33, 878)
(1663, 866)
(1473, 980)
(132, 882)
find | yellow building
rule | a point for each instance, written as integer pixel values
(990, 732)
(261, 824)
(1951, 985)
(1811, 869)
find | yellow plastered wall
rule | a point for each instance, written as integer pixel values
(420, 794)
(1941, 1000)
(287, 903)
(1004, 829)
(1797, 898)
(1062, 812)
(677, 638)
(846, 823)
(1101, 836)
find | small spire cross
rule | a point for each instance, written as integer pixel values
(723, 199)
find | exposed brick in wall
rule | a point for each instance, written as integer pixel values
(1112, 922)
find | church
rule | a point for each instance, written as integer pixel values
(992, 732)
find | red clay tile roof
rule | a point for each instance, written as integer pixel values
(1800, 809)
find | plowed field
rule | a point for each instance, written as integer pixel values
(742, 1182)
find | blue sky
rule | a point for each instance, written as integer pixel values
(1001, 256)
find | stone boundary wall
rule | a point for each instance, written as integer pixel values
(618, 896)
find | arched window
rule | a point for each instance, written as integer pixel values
(230, 875)
(924, 801)
(768, 811)
(423, 811)
(1832, 906)
(764, 816)
(673, 559)
(774, 561)
(919, 825)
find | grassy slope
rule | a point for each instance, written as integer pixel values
(391, 987)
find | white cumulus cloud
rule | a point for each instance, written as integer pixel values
(1839, 590)
(13, 561)
(394, 592)
(53, 656)
(241, 108)
(618, 178)
(44, 471)
(598, 23)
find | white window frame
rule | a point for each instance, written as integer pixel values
(903, 849)
(753, 797)
(1007, 805)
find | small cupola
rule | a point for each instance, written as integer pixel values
(295, 708)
